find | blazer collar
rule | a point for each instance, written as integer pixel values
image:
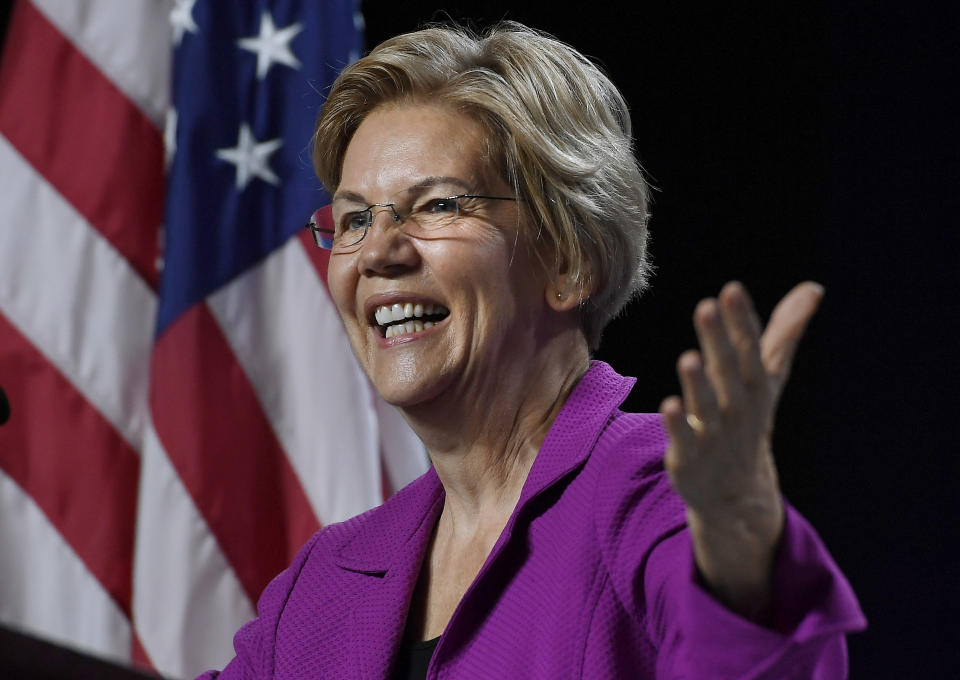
(384, 537)
(579, 424)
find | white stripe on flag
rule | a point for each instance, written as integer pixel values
(128, 41)
(76, 299)
(47, 590)
(187, 602)
(402, 451)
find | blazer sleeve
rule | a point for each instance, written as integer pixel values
(648, 553)
(697, 637)
(255, 642)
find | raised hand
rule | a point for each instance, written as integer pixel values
(720, 459)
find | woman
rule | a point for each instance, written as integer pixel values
(488, 220)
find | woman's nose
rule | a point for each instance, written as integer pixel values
(387, 250)
(380, 207)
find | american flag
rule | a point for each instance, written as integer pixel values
(185, 408)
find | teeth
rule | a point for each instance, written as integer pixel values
(387, 314)
(408, 327)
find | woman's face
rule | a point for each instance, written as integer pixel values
(476, 268)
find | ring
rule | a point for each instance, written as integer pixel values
(695, 423)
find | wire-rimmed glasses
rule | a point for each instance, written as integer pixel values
(425, 215)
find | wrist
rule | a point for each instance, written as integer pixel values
(734, 553)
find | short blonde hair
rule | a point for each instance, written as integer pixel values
(556, 129)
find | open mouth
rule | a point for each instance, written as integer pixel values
(410, 317)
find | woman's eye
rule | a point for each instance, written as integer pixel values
(355, 221)
(441, 205)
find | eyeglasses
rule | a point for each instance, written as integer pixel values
(426, 215)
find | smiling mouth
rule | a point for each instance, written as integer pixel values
(411, 317)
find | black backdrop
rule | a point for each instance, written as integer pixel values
(793, 141)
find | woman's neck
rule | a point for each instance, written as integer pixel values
(483, 443)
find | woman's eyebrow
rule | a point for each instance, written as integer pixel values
(430, 182)
(419, 187)
(351, 196)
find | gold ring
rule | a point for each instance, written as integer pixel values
(695, 423)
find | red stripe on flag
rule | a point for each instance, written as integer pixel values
(318, 257)
(138, 655)
(81, 133)
(214, 430)
(72, 462)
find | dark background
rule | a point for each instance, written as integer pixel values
(806, 141)
(792, 141)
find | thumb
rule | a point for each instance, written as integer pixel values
(787, 324)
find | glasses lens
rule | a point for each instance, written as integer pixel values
(352, 227)
(317, 225)
(323, 238)
(436, 213)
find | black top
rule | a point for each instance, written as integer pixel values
(413, 659)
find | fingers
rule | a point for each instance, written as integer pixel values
(787, 325)
(688, 419)
(737, 376)
(721, 359)
(729, 333)
(683, 440)
(743, 326)
(682, 436)
(699, 398)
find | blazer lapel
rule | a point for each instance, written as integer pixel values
(389, 550)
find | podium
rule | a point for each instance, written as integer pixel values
(23, 657)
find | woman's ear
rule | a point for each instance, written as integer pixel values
(564, 293)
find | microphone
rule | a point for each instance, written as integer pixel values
(4, 407)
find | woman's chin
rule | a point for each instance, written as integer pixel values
(407, 387)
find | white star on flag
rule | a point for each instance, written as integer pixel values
(251, 158)
(181, 18)
(272, 45)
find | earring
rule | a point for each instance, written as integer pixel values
(560, 295)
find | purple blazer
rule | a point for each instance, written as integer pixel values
(592, 577)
